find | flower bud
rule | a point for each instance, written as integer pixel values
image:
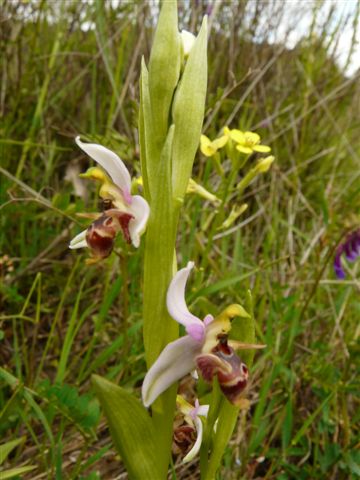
(187, 41)
(264, 165)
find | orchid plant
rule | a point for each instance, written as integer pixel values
(172, 103)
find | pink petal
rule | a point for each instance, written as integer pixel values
(203, 410)
(176, 304)
(110, 162)
(195, 449)
(208, 319)
(140, 209)
(174, 362)
(197, 332)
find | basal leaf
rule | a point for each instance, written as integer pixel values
(131, 429)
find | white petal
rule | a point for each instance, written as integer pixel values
(175, 299)
(195, 449)
(188, 40)
(173, 363)
(203, 410)
(79, 241)
(141, 211)
(110, 162)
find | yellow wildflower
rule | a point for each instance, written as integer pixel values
(194, 187)
(209, 148)
(248, 142)
(236, 211)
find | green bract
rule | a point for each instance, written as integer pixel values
(188, 113)
(164, 70)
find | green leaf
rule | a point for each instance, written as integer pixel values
(131, 429)
(287, 425)
(14, 472)
(6, 448)
(164, 69)
(352, 460)
(149, 155)
(82, 409)
(144, 99)
(188, 113)
(332, 453)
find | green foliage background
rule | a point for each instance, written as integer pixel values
(61, 320)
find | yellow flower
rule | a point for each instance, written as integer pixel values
(264, 165)
(248, 142)
(194, 187)
(209, 148)
(236, 211)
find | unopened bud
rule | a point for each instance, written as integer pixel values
(264, 165)
(194, 187)
(236, 211)
(187, 40)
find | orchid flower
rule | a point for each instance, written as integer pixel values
(199, 348)
(193, 422)
(125, 212)
(351, 248)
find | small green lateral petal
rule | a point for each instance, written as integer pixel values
(131, 430)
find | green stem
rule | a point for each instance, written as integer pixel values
(215, 405)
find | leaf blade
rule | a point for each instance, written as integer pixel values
(133, 433)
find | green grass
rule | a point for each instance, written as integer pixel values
(62, 320)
